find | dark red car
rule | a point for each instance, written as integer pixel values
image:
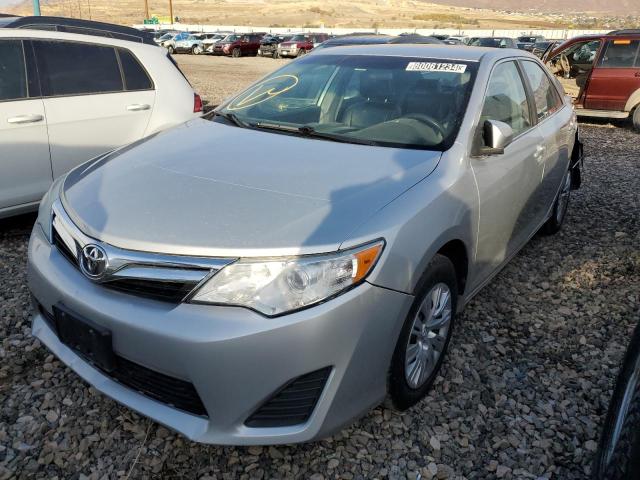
(238, 45)
(601, 73)
(300, 44)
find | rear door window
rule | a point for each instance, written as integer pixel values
(547, 98)
(621, 54)
(13, 75)
(69, 68)
(135, 77)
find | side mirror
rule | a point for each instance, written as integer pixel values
(497, 136)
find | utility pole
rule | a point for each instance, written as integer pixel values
(36, 8)
(171, 11)
(146, 9)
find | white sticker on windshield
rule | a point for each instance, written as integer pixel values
(436, 67)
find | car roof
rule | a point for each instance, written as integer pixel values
(450, 52)
(73, 37)
(85, 27)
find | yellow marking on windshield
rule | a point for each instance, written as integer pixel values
(259, 94)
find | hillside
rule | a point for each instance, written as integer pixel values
(615, 7)
(330, 13)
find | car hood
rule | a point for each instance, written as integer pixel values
(211, 189)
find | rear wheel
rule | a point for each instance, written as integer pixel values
(560, 207)
(636, 119)
(236, 53)
(425, 335)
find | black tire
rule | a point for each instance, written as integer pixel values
(402, 395)
(193, 50)
(623, 461)
(171, 50)
(302, 52)
(275, 54)
(236, 53)
(560, 206)
(636, 119)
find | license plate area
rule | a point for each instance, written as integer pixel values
(91, 341)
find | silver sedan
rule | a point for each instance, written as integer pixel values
(270, 273)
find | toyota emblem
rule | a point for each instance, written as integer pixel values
(93, 261)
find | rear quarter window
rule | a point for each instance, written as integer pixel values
(135, 76)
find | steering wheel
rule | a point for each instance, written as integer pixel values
(426, 119)
(565, 65)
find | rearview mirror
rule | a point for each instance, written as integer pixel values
(497, 136)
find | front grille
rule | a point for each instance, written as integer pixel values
(156, 289)
(293, 404)
(164, 291)
(171, 391)
(63, 248)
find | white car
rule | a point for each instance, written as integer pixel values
(66, 98)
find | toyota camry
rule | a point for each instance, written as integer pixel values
(268, 274)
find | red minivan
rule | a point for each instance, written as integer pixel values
(601, 73)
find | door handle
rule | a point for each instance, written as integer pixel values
(136, 107)
(25, 119)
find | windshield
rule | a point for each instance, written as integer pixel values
(527, 39)
(386, 101)
(167, 36)
(298, 38)
(230, 38)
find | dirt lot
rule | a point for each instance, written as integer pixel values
(216, 78)
(522, 393)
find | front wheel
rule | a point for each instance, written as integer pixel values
(618, 456)
(425, 335)
(302, 52)
(275, 54)
(171, 50)
(197, 50)
(236, 53)
(560, 207)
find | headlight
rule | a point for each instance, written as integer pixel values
(44, 210)
(277, 285)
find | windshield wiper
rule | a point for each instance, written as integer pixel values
(232, 117)
(308, 131)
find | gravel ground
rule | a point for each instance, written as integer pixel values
(522, 393)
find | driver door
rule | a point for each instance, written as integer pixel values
(507, 183)
(573, 66)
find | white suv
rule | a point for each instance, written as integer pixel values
(66, 98)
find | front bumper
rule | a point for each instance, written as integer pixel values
(288, 52)
(235, 358)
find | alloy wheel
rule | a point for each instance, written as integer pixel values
(428, 336)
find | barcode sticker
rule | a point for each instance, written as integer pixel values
(436, 67)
